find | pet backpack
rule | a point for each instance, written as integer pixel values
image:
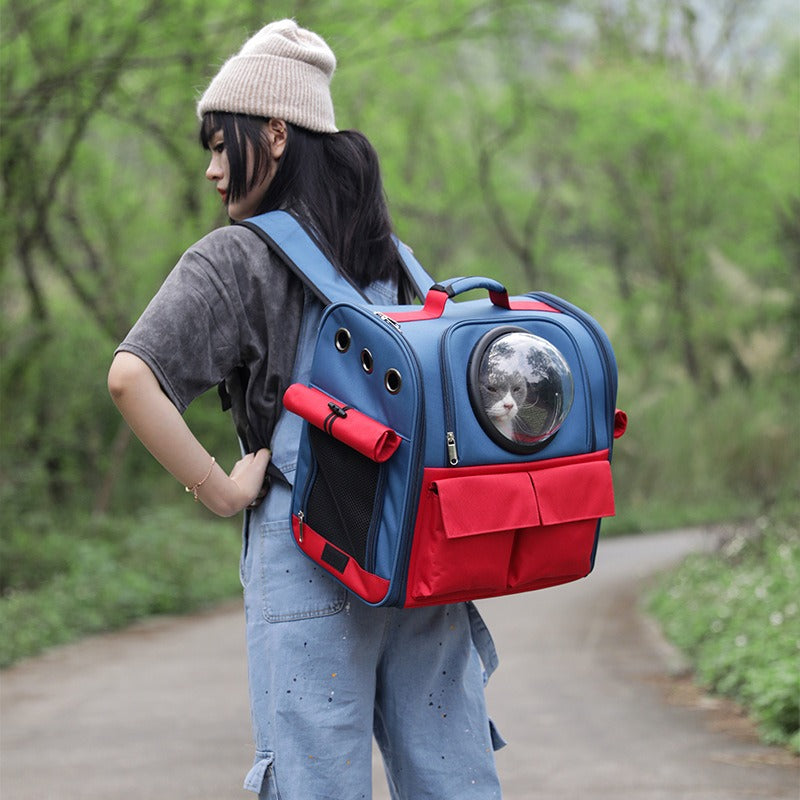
(452, 450)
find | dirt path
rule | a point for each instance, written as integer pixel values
(582, 694)
(585, 698)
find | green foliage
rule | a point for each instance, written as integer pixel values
(736, 615)
(730, 456)
(106, 573)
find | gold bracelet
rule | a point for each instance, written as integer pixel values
(193, 489)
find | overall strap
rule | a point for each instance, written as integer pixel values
(289, 240)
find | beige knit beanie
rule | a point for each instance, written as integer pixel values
(283, 71)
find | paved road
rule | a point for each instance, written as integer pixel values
(159, 711)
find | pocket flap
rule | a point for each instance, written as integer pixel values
(500, 501)
(476, 504)
(572, 492)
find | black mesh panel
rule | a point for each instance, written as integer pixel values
(343, 494)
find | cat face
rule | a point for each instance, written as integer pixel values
(503, 394)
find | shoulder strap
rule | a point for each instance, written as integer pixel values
(287, 238)
(415, 272)
(290, 241)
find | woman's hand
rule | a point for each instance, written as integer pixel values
(248, 476)
(163, 431)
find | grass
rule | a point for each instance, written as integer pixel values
(736, 615)
(66, 586)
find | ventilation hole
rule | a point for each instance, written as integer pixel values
(392, 381)
(342, 340)
(366, 361)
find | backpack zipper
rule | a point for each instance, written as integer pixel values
(387, 319)
(602, 344)
(449, 415)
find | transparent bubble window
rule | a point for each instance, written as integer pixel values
(521, 388)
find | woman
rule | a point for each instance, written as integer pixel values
(326, 671)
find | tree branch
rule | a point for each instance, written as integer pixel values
(89, 301)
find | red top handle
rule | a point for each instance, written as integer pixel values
(440, 293)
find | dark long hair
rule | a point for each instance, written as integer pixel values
(331, 180)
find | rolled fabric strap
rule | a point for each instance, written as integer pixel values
(364, 434)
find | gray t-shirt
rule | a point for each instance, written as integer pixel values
(227, 304)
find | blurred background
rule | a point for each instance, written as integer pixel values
(638, 157)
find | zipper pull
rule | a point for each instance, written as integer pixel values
(452, 450)
(300, 519)
(394, 323)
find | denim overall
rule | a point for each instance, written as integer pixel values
(327, 671)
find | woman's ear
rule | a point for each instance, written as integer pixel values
(277, 134)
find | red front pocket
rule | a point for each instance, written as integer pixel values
(571, 499)
(485, 531)
(448, 563)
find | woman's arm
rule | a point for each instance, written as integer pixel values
(161, 428)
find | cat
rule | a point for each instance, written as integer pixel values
(503, 395)
(525, 388)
